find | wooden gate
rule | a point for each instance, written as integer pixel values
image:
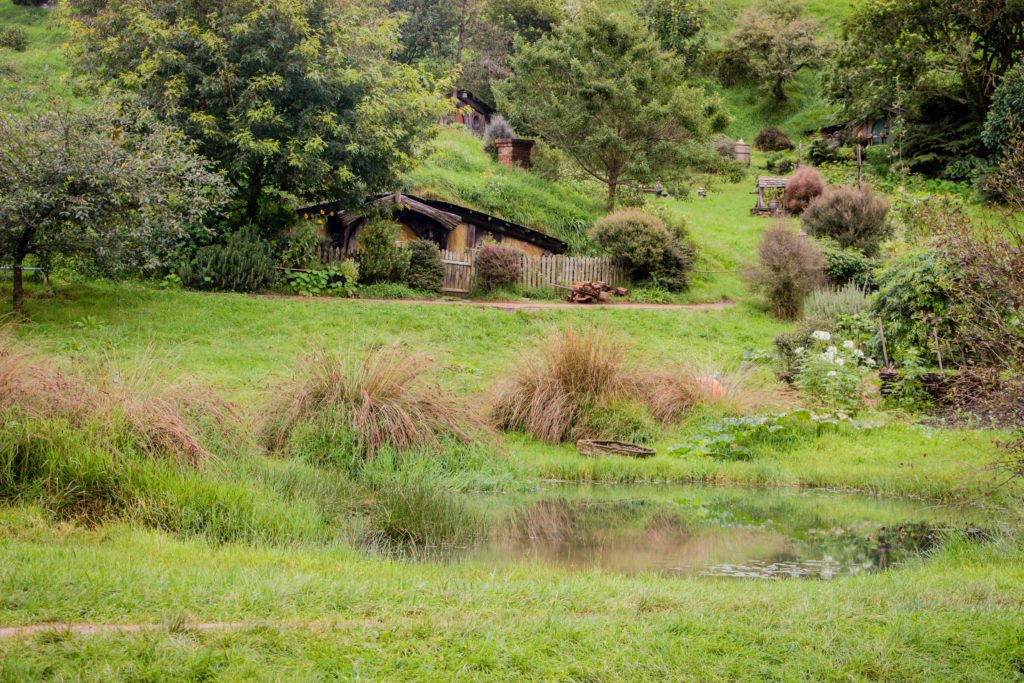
(458, 271)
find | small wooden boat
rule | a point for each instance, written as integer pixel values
(598, 448)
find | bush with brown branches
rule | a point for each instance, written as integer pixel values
(790, 266)
(803, 187)
(853, 217)
(497, 266)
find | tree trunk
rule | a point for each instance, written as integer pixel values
(18, 288)
(613, 192)
(253, 194)
(779, 91)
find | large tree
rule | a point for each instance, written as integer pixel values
(926, 50)
(90, 186)
(604, 91)
(294, 96)
(770, 44)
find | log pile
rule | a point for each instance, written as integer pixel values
(594, 292)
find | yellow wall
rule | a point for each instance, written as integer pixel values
(526, 247)
(458, 239)
(407, 235)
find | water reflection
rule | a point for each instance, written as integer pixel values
(717, 532)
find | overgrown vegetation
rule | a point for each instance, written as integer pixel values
(648, 249)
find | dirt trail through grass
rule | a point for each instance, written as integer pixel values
(543, 305)
(87, 629)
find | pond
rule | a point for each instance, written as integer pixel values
(711, 531)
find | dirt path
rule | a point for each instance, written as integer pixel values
(93, 629)
(542, 305)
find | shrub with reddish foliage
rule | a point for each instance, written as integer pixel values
(497, 266)
(790, 266)
(805, 186)
(771, 139)
(853, 217)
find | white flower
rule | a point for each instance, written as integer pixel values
(858, 353)
(831, 350)
(799, 349)
(848, 344)
(840, 361)
(832, 373)
(821, 335)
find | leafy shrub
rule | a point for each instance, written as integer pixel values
(301, 247)
(14, 38)
(740, 438)
(245, 263)
(771, 139)
(573, 372)
(497, 128)
(649, 250)
(790, 266)
(918, 216)
(831, 372)
(497, 266)
(845, 266)
(833, 304)
(915, 298)
(426, 270)
(548, 162)
(1006, 114)
(824, 150)
(779, 164)
(381, 257)
(804, 187)
(344, 410)
(338, 279)
(853, 217)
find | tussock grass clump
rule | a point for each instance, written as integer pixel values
(672, 393)
(158, 415)
(389, 398)
(584, 385)
(550, 397)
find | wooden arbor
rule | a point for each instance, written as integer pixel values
(770, 195)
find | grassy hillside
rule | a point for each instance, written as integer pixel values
(29, 79)
(459, 170)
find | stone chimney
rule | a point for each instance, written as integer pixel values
(514, 151)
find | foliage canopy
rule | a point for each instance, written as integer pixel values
(604, 91)
(294, 96)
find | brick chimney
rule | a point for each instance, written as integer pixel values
(514, 151)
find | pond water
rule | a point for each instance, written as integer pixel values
(729, 532)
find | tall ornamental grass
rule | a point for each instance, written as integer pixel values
(344, 407)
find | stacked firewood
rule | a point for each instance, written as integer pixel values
(594, 292)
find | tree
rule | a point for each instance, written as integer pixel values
(925, 51)
(86, 185)
(603, 91)
(286, 96)
(679, 25)
(771, 44)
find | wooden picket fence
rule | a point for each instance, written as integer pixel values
(538, 271)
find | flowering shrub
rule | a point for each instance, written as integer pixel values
(830, 372)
